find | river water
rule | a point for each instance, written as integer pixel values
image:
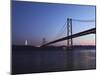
(53, 60)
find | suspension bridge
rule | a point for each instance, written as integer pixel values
(70, 35)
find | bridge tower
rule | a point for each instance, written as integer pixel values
(69, 33)
(43, 41)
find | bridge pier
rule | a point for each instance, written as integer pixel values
(69, 33)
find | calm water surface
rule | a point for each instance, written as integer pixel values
(53, 60)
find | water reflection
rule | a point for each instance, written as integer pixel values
(53, 60)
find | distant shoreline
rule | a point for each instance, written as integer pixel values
(23, 47)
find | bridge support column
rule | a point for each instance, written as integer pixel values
(69, 33)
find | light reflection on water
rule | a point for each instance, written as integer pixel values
(84, 59)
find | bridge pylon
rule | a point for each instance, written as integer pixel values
(69, 33)
(43, 41)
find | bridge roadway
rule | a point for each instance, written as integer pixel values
(86, 32)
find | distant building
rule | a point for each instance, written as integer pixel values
(26, 42)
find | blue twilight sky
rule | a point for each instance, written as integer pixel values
(34, 21)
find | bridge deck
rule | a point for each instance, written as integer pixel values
(86, 32)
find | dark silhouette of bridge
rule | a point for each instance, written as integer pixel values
(90, 31)
(70, 36)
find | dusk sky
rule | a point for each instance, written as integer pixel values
(34, 21)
